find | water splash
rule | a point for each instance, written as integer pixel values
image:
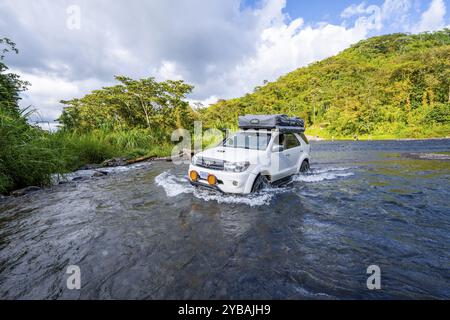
(332, 169)
(319, 175)
(175, 186)
(261, 198)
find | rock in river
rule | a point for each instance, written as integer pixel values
(90, 166)
(114, 162)
(99, 173)
(24, 191)
(79, 178)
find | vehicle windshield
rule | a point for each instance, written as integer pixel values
(248, 140)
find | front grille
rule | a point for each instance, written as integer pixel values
(212, 164)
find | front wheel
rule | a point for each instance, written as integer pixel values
(260, 183)
(304, 168)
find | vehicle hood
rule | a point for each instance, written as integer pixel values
(233, 154)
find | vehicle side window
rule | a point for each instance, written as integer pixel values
(302, 135)
(291, 141)
(280, 140)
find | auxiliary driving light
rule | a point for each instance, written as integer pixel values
(193, 175)
(212, 180)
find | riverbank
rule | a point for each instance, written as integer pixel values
(320, 134)
(371, 138)
(89, 171)
(29, 155)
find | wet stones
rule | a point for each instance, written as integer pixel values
(86, 174)
(24, 191)
(99, 173)
(114, 162)
(79, 178)
(90, 166)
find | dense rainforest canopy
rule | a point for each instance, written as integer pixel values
(157, 106)
(396, 84)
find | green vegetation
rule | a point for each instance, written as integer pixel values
(25, 155)
(134, 118)
(393, 86)
(131, 119)
(146, 103)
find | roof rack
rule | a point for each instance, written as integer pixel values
(277, 122)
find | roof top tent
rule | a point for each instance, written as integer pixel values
(279, 122)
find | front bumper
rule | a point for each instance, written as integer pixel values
(205, 185)
(227, 182)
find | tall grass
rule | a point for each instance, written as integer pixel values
(25, 154)
(29, 155)
(99, 145)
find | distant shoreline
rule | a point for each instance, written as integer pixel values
(315, 138)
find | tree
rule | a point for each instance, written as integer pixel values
(10, 83)
(157, 106)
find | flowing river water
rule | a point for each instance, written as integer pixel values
(143, 232)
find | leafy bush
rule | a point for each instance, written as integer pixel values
(439, 113)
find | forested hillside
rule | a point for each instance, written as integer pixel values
(389, 86)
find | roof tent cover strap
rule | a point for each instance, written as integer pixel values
(277, 121)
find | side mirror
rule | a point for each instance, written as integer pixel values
(277, 148)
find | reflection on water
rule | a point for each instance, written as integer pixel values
(146, 233)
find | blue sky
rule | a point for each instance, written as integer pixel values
(223, 47)
(318, 10)
(330, 10)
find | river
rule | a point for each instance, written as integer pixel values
(144, 233)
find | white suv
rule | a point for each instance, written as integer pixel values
(250, 159)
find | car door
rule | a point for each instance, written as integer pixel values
(279, 161)
(292, 152)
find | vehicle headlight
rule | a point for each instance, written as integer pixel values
(236, 166)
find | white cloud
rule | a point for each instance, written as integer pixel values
(168, 71)
(396, 8)
(203, 103)
(48, 89)
(354, 10)
(390, 13)
(433, 18)
(283, 46)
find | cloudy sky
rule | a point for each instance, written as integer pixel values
(223, 47)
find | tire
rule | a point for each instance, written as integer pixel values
(260, 183)
(304, 168)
